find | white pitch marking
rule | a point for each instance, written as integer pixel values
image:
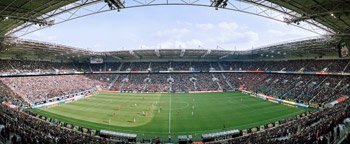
(169, 113)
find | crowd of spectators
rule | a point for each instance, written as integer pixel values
(8, 95)
(319, 89)
(140, 66)
(24, 66)
(158, 83)
(160, 66)
(135, 83)
(182, 82)
(45, 87)
(27, 66)
(169, 82)
(307, 88)
(126, 66)
(317, 128)
(104, 79)
(27, 129)
(119, 81)
(205, 82)
(291, 65)
(201, 66)
(181, 66)
(223, 84)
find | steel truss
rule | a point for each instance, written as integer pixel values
(84, 8)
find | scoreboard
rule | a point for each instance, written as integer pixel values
(96, 60)
(344, 48)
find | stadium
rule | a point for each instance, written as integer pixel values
(293, 89)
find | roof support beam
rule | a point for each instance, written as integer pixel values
(182, 52)
(131, 52)
(157, 52)
(263, 8)
(116, 57)
(113, 56)
(207, 53)
(222, 57)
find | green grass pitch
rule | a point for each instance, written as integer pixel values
(210, 112)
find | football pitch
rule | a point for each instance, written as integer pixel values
(170, 114)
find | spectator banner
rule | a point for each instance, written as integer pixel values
(309, 72)
(218, 134)
(244, 132)
(9, 105)
(262, 127)
(255, 71)
(138, 71)
(112, 133)
(93, 132)
(338, 101)
(322, 73)
(77, 128)
(84, 130)
(277, 99)
(270, 125)
(61, 123)
(273, 101)
(205, 91)
(277, 123)
(253, 130)
(70, 126)
(50, 103)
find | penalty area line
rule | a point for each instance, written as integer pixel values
(169, 113)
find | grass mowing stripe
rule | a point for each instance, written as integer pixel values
(211, 111)
(169, 113)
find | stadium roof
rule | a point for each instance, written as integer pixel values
(300, 49)
(330, 17)
(333, 14)
(14, 13)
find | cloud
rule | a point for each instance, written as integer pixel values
(228, 26)
(194, 43)
(99, 46)
(229, 33)
(207, 26)
(291, 33)
(226, 34)
(277, 32)
(43, 36)
(131, 36)
(183, 23)
(183, 44)
(238, 37)
(172, 33)
(38, 34)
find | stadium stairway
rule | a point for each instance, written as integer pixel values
(346, 66)
(217, 82)
(116, 77)
(113, 82)
(228, 82)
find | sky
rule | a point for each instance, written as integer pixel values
(167, 27)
